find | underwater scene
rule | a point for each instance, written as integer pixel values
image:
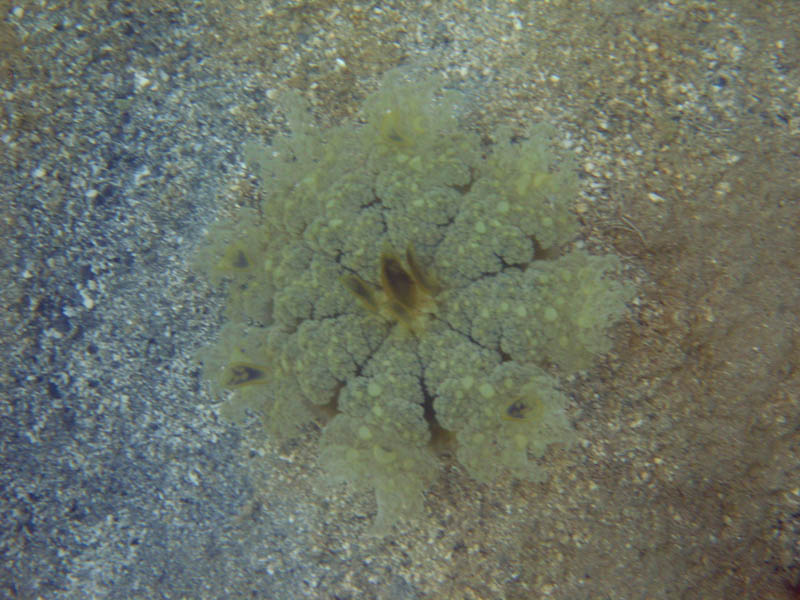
(407, 300)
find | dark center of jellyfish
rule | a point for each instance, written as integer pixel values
(400, 285)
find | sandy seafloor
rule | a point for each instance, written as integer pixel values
(122, 126)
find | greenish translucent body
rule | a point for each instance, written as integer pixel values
(512, 310)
